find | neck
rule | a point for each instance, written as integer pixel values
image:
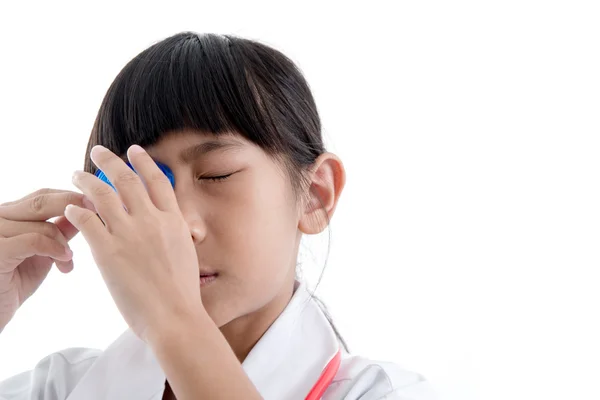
(244, 332)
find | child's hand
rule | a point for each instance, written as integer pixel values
(146, 253)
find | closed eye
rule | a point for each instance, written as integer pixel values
(214, 178)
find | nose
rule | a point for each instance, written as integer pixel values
(191, 211)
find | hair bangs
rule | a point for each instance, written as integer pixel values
(187, 81)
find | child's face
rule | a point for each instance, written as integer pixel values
(245, 227)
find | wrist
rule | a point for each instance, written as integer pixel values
(198, 361)
(177, 328)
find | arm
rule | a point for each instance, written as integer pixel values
(198, 361)
(149, 263)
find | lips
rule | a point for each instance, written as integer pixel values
(207, 277)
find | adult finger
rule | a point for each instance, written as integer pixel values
(43, 206)
(10, 228)
(67, 229)
(17, 248)
(33, 194)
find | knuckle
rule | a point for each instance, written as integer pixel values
(38, 203)
(86, 218)
(51, 230)
(101, 190)
(37, 240)
(73, 198)
(127, 177)
(42, 191)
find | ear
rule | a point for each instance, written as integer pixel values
(327, 179)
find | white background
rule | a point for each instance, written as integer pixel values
(465, 246)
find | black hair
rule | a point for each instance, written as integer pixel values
(217, 84)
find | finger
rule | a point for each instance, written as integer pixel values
(42, 206)
(10, 228)
(66, 228)
(157, 184)
(36, 193)
(56, 233)
(68, 231)
(128, 184)
(88, 223)
(106, 201)
(18, 248)
(64, 266)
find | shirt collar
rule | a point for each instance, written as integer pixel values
(290, 357)
(285, 363)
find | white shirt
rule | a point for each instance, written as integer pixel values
(284, 365)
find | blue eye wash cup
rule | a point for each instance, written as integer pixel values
(167, 171)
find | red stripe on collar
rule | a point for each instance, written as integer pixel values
(326, 377)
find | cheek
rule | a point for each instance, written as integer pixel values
(258, 223)
(253, 236)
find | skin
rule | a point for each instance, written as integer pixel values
(246, 228)
(29, 244)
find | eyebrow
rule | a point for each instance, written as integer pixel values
(193, 153)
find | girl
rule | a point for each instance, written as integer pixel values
(197, 238)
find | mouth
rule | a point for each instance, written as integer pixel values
(206, 278)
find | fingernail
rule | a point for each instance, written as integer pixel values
(97, 149)
(76, 175)
(135, 149)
